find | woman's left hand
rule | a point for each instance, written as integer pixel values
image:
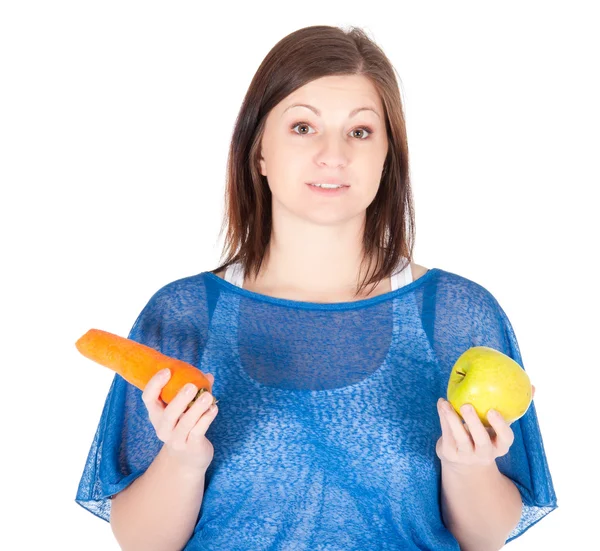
(470, 442)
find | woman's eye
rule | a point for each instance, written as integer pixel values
(304, 124)
(364, 129)
(301, 124)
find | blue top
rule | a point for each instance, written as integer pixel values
(327, 425)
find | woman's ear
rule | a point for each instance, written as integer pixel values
(262, 166)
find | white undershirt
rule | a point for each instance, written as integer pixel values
(234, 274)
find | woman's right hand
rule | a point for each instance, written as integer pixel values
(183, 432)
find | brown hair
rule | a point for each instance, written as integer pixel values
(302, 56)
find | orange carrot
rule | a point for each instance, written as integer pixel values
(137, 363)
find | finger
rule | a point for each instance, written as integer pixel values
(203, 423)
(446, 430)
(151, 393)
(504, 434)
(464, 444)
(481, 438)
(189, 419)
(532, 391)
(177, 406)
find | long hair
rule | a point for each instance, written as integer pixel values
(302, 56)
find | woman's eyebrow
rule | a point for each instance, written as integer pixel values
(318, 113)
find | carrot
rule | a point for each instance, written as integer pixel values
(137, 363)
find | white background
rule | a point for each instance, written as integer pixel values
(114, 126)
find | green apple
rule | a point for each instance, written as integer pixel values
(488, 379)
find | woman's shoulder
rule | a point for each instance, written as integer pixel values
(179, 294)
(461, 292)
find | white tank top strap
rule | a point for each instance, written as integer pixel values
(235, 275)
(403, 277)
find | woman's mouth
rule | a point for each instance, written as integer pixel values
(328, 189)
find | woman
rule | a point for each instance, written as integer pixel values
(329, 348)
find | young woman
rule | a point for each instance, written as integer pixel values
(329, 348)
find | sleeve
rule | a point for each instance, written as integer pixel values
(525, 463)
(125, 442)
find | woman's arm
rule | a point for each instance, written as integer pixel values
(480, 506)
(159, 510)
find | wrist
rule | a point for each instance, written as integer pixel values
(184, 466)
(469, 470)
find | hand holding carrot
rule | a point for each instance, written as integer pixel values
(182, 429)
(176, 394)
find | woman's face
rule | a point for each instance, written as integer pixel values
(301, 146)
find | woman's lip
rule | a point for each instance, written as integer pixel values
(333, 183)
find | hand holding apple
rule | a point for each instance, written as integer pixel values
(463, 445)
